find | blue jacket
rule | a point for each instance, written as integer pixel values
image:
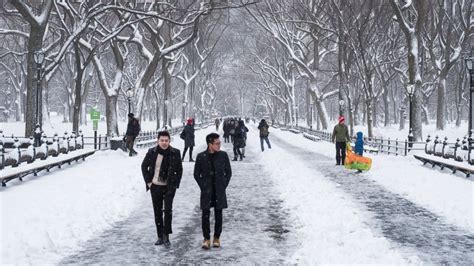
(359, 144)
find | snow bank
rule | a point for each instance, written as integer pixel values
(47, 216)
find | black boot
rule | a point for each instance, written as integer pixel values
(166, 240)
(159, 241)
(235, 159)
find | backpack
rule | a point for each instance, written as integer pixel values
(264, 131)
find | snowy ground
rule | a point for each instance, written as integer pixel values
(290, 204)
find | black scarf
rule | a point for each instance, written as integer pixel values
(165, 164)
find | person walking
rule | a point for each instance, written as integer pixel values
(212, 173)
(162, 170)
(263, 128)
(133, 129)
(340, 136)
(217, 122)
(188, 136)
(244, 131)
(238, 140)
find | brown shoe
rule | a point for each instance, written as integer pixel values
(206, 244)
(216, 243)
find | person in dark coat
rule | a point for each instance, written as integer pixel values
(263, 128)
(340, 136)
(212, 173)
(133, 129)
(238, 141)
(188, 136)
(226, 128)
(162, 170)
(244, 131)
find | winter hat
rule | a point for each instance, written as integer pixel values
(190, 121)
(131, 115)
(341, 119)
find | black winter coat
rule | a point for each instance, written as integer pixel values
(188, 136)
(133, 128)
(223, 173)
(175, 169)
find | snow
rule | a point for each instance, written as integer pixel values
(49, 219)
(448, 195)
(47, 216)
(331, 228)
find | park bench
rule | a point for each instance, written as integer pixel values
(295, 131)
(20, 160)
(454, 156)
(34, 168)
(311, 137)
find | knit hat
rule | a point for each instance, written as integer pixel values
(190, 121)
(131, 115)
(341, 119)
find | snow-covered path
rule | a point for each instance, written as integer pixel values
(412, 228)
(254, 230)
(289, 204)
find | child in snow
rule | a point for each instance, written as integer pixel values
(359, 144)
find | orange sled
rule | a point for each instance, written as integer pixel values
(356, 162)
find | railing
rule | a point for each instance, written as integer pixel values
(383, 145)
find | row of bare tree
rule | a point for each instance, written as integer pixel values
(363, 54)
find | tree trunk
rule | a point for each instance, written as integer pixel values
(441, 106)
(111, 114)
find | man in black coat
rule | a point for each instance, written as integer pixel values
(133, 129)
(212, 172)
(162, 170)
(188, 136)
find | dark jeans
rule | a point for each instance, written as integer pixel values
(130, 140)
(160, 195)
(190, 152)
(340, 152)
(237, 152)
(206, 225)
(266, 140)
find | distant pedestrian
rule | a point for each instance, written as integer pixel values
(244, 131)
(133, 129)
(226, 128)
(162, 170)
(217, 122)
(340, 136)
(188, 136)
(263, 128)
(212, 172)
(238, 140)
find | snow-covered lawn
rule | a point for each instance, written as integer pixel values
(450, 196)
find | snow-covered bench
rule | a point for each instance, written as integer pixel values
(296, 131)
(455, 166)
(455, 156)
(311, 137)
(37, 166)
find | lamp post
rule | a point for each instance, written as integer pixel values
(411, 93)
(469, 65)
(38, 56)
(130, 95)
(296, 114)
